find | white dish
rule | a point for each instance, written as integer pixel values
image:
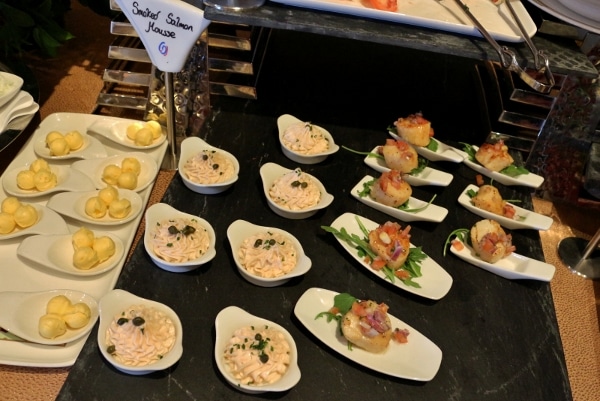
(21, 312)
(443, 153)
(442, 15)
(269, 172)
(94, 169)
(419, 359)
(527, 180)
(555, 8)
(428, 176)
(160, 212)
(67, 179)
(55, 252)
(13, 86)
(49, 222)
(523, 218)
(239, 230)
(192, 146)
(512, 267)
(113, 303)
(72, 204)
(91, 148)
(286, 120)
(432, 213)
(435, 282)
(115, 129)
(227, 322)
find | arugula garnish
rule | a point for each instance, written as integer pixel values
(460, 234)
(342, 303)
(370, 154)
(422, 162)
(432, 145)
(511, 171)
(412, 265)
(366, 191)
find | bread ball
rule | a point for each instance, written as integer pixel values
(25, 216)
(39, 164)
(25, 179)
(108, 194)
(10, 204)
(104, 247)
(51, 136)
(74, 139)
(131, 164)
(95, 208)
(119, 209)
(58, 305)
(111, 174)
(132, 129)
(156, 129)
(127, 180)
(85, 258)
(59, 147)
(144, 137)
(78, 316)
(84, 237)
(51, 326)
(7, 223)
(44, 180)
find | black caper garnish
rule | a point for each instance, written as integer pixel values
(304, 184)
(187, 230)
(258, 243)
(215, 166)
(258, 337)
(122, 321)
(173, 230)
(296, 183)
(271, 242)
(264, 358)
(204, 157)
(111, 349)
(138, 321)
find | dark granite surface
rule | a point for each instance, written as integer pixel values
(499, 338)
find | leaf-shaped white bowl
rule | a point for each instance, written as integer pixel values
(284, 122)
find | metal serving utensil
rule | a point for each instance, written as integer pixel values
(507, 56)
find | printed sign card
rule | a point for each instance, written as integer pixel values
(167, 28)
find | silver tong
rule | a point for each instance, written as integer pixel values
(507, 56)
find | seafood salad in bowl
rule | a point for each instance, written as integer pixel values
(266, 256)
(304, 142)
(293, 194)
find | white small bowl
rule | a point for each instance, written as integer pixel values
(233, 318)
(13, 83)
(117, 301)
(239, 230)
(161, 211)
(286, 120)
(190, 147)
(269, 172)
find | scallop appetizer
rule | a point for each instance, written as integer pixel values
(490, 242)
(414, 129)
(368, 326)
(494, 157)
(399, 155)
(488, 198)
(390, 189)
(391, 243)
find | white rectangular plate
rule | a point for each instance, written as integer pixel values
(418, 359)
(444, 15)
(17, 275)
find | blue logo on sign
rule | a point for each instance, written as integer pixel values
(163, 48)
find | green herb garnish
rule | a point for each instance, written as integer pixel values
(366, 191)
(511, 171)
(460, 234)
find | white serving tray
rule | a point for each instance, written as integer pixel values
(17, 275)
(444, 15)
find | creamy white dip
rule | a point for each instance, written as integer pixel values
(209, 167)
(5, 85)
(268, 255)
(295, 190)
(257, 355)
(140, 336)
(305, 138)
(179, 240)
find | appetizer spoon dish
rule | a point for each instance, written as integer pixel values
(422, 210)
(20, 105)
(161, 212)
(55, 252)
(21, 312)
(233, 318)
(240, 230)
(49, 222)
(428, 176)
(443, 153)
(113, 304)
(67, 179)
(398, 360)
(115, 130)
(512, 267)
(523, 219)
(270, 172)
(91, 148)
(193, 146)
(284, 122)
